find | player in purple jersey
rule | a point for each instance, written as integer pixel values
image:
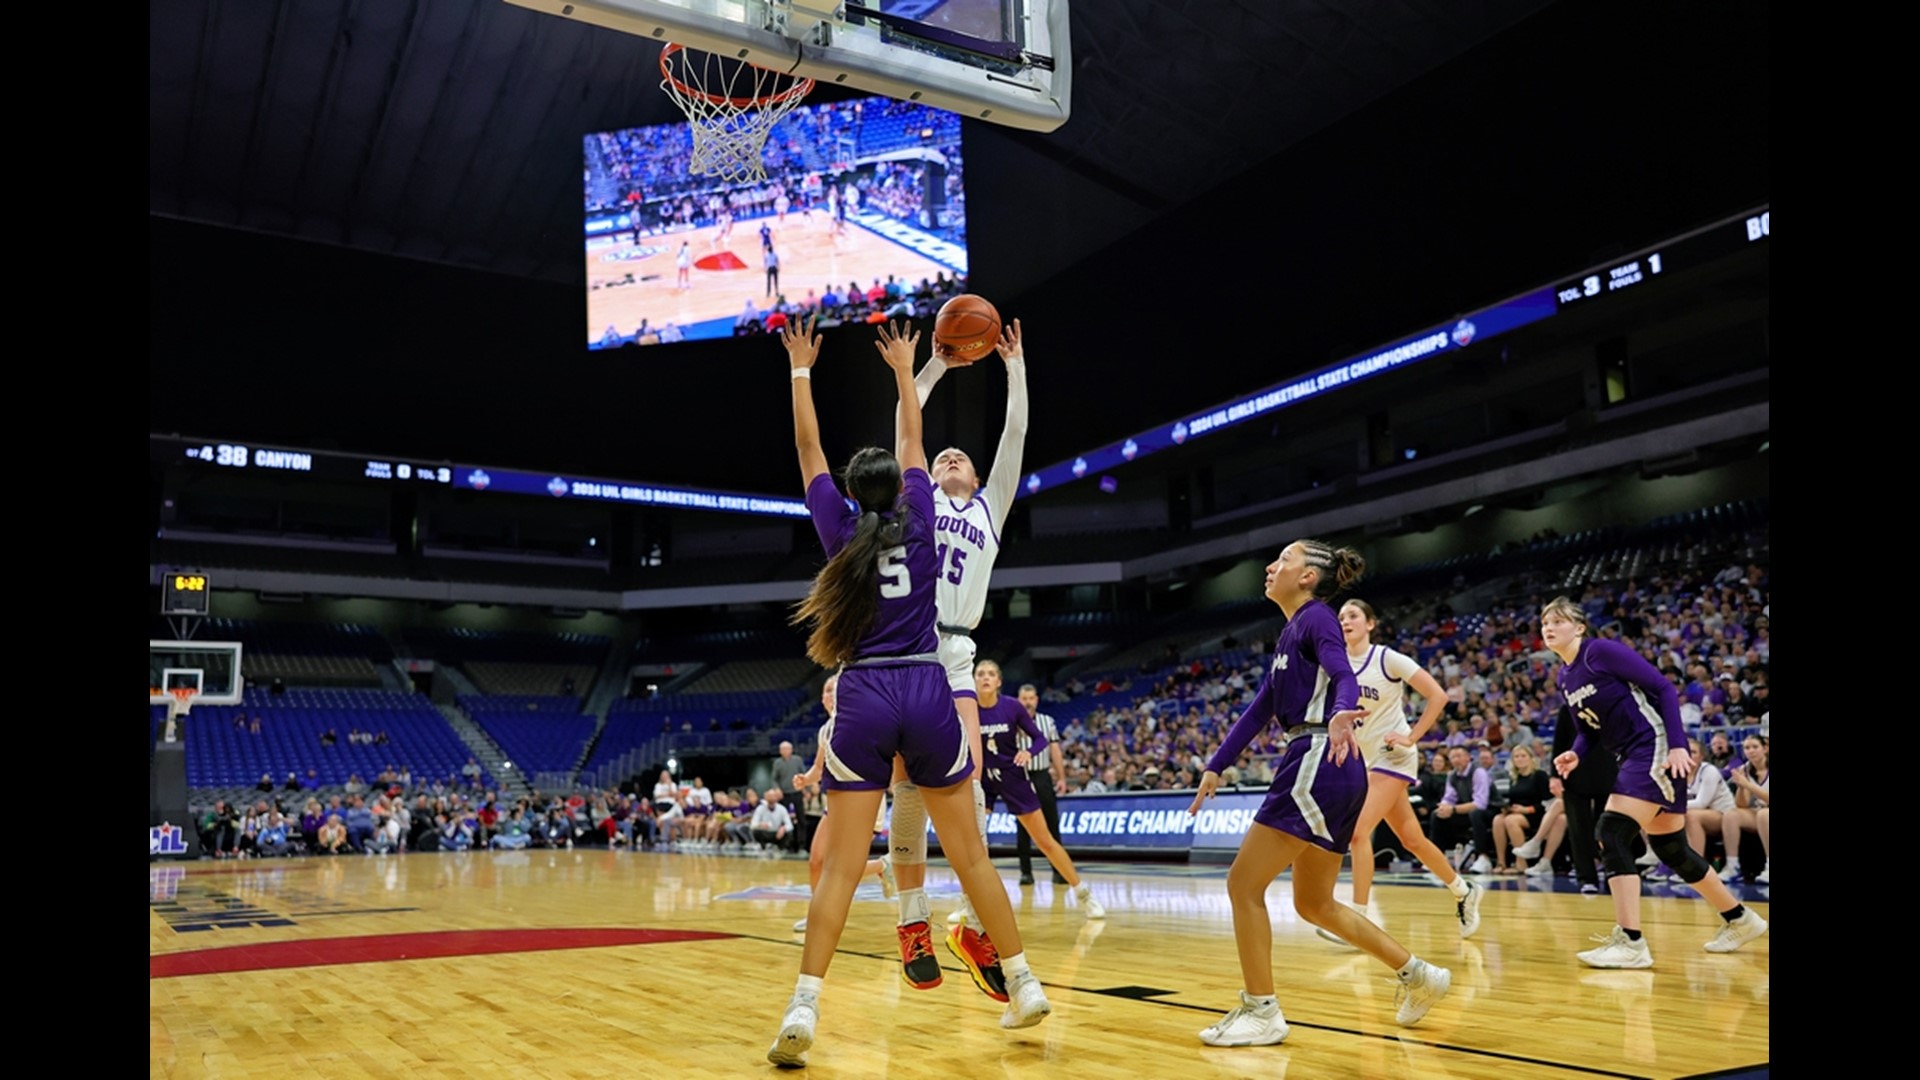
(871, 614)
(1621, 700)
(1318, 790)
(1006, 778)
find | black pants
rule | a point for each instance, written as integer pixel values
(1049, 809)
(1583, 817)
(797, 836)
(1446, 832)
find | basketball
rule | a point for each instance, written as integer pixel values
(968, 326)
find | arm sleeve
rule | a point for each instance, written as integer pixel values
(929, 374)
(1005, 481)
(1251, 722)
(1628, 666)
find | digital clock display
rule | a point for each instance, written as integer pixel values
(184, 592)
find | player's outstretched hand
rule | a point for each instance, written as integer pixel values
(1680, 762)
(1009, 344)
(1340, 740)
(1209, 784)
(897, 345)
(803, 345)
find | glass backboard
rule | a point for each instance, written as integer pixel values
(1002, 61)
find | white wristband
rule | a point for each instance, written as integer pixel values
(803, 373)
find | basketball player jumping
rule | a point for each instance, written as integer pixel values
(968, 523)
(1390, 749)
(871, 614)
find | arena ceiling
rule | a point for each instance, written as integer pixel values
(448, 130)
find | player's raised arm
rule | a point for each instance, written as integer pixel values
(803, 349)
(1005, 480)
(897, 345)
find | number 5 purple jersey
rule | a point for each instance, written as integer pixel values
(904, 623)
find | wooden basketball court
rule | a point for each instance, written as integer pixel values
(812, 256)
(591, 963)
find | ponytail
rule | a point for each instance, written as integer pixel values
(845, 595)
(1339, 567)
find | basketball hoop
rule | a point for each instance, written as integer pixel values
(182, 702)
(732, 106)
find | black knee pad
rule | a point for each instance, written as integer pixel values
(1673, 849)
(1616, 833)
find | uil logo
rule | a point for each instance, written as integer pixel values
(556, 487)
(1180, 432)
(1129, 449)
(1033, 482)
(1463, 332)
(1079, 467)
(479, 479)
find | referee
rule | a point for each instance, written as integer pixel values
(1049, 776)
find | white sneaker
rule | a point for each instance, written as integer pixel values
(1761, 878)
(1617, 950)
(1248, 1024)
(800, 927)
(889, 885)
(790, 1047)
(1084, 893)
(1467, 909)
(1731, 872)
(1482, 865)
(1738, 932)
(960, 911)
(1418, 994)
(1649, 859)
(1540, 869)
(1026, 1002)
(1529, 850)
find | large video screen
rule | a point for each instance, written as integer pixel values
(862, 217)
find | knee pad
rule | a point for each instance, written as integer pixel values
(908, 835)
(1616, 833)
(1672, 848)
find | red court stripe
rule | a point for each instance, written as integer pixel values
(379, 948)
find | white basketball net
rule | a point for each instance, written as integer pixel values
(732, 105)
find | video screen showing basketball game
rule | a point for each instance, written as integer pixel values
(862, 217)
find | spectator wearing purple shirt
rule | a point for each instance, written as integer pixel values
(871, 614)
(1469, 791)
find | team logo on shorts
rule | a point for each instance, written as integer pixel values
(556, 487)
(1463, 332)
(1180, 432)
(479, 479)
(1128, 449)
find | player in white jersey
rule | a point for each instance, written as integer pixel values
(968, 521)
(1390, 747)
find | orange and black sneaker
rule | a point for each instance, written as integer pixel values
(918, 965)
(976, 951)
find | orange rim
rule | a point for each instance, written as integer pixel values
(797, 90)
